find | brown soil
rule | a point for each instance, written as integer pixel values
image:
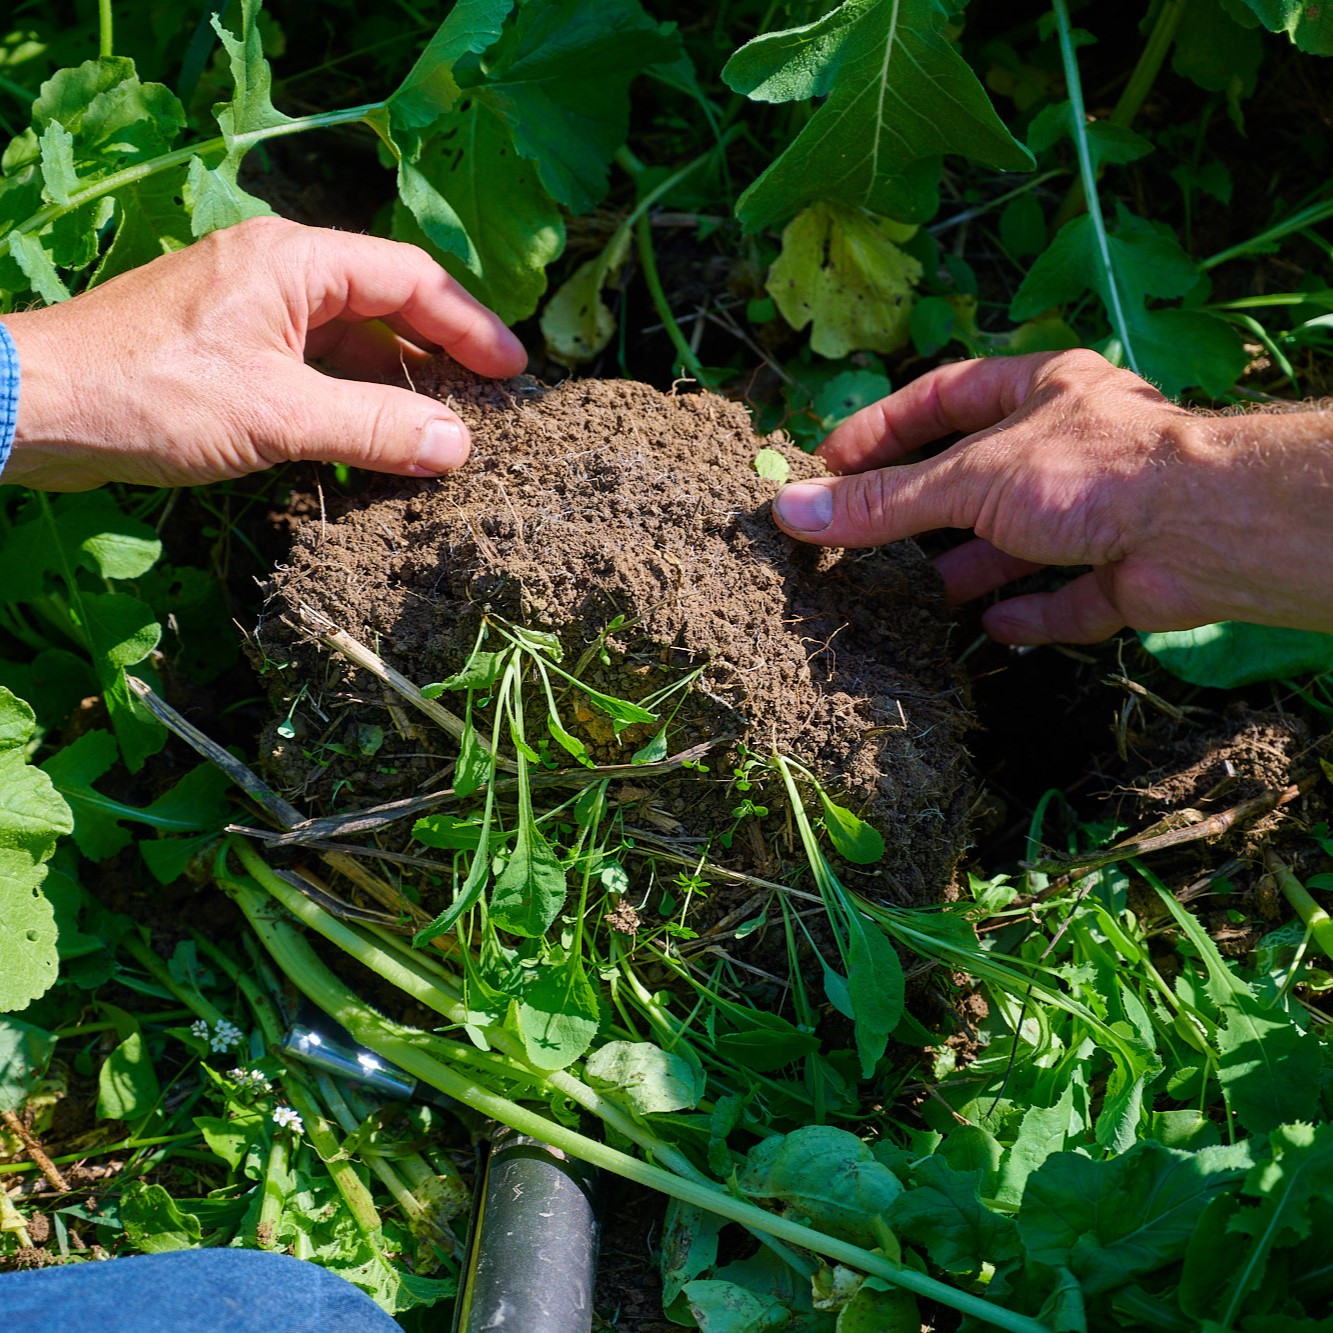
(605, 499)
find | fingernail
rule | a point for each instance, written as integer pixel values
(805, 507)
(444, 446)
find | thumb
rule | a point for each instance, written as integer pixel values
(868, 508)
(373, 426)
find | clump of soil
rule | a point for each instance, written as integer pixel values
(602, 502)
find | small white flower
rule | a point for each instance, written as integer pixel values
(285, 1118)
(249, 1080)
(226, 1035)
(200, 1029)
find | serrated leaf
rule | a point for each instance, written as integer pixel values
(651, 1079)
(897, 94)
(841, 272)
(37, 266)
(559, 80)
(58, 172)
(558, 1015)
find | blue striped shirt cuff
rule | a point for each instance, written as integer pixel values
(9, 394)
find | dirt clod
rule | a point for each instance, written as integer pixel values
(603, 503)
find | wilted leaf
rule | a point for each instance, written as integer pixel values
(841, 272)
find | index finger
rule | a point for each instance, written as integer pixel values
(959, 398)
(365, 277)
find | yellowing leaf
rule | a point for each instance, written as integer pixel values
(577, 323)
(841, 272)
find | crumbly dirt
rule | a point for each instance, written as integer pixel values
(600, 500)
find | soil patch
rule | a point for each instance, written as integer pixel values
(602, 503)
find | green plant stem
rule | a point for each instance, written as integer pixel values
(1079, 116)
(1141, 80)
(218, 147)
(404, 1048)
(274, 1191)
(1310, 216)
(643, 236)
(105, 29)
(160, 973)
(1317, 921)
(125, 1145)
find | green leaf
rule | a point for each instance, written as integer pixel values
(651, 1079)
(945, 1217)
(653, 751)
(25, 1052)
(1218, 54)
(196, 802)
(769, 1045)
(567, 742)
(875, 988)
(841, 272)
(728, 1307)
(32, 817)
(1177, 349)
(230, 1139)
(530, 891)
(848, 393)
(772, 465)
(127, 1087)
(1232, 653)
(896, 94)
(559, 80)
(154, 1222)
(1112, 1222)
(1308, 23)
(826, 1176)
(854, 839)
(481, 671)
(558, 1014)
(1043, 1131)
(689, 1247)
(430, 88)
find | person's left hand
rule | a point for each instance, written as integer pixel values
(193, 368)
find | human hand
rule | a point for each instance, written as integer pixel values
(193, 368)
(1066, 460)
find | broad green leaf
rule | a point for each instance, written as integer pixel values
(430, 88)
(476, 766)
(944, 1216)
(577, 324)
(896, 94)
(151, 220)
(1232, 653)
(653, 1080)
(770, 1044)
(32, 817)
(1043, 1130)
(127, 1087)
(1112, 1222)
(825, 1175)
(878, 1308)
(728, 1307)
(1218, 53)
(846, 394)
(653, 752)
(772, 465)
(217, 199)
(154, 1222)
(196, 802)
(1177, 349)
(453, 833)
(513, 227)
(841, 272)
(1309, 23)
(530, 891)
(559, 80)
(25, 1052)
(558, 1015)
(854, 839)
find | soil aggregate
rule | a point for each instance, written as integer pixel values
(601, 503)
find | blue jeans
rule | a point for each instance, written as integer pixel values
(189, 1291)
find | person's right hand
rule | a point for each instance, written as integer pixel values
(1066, 460)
